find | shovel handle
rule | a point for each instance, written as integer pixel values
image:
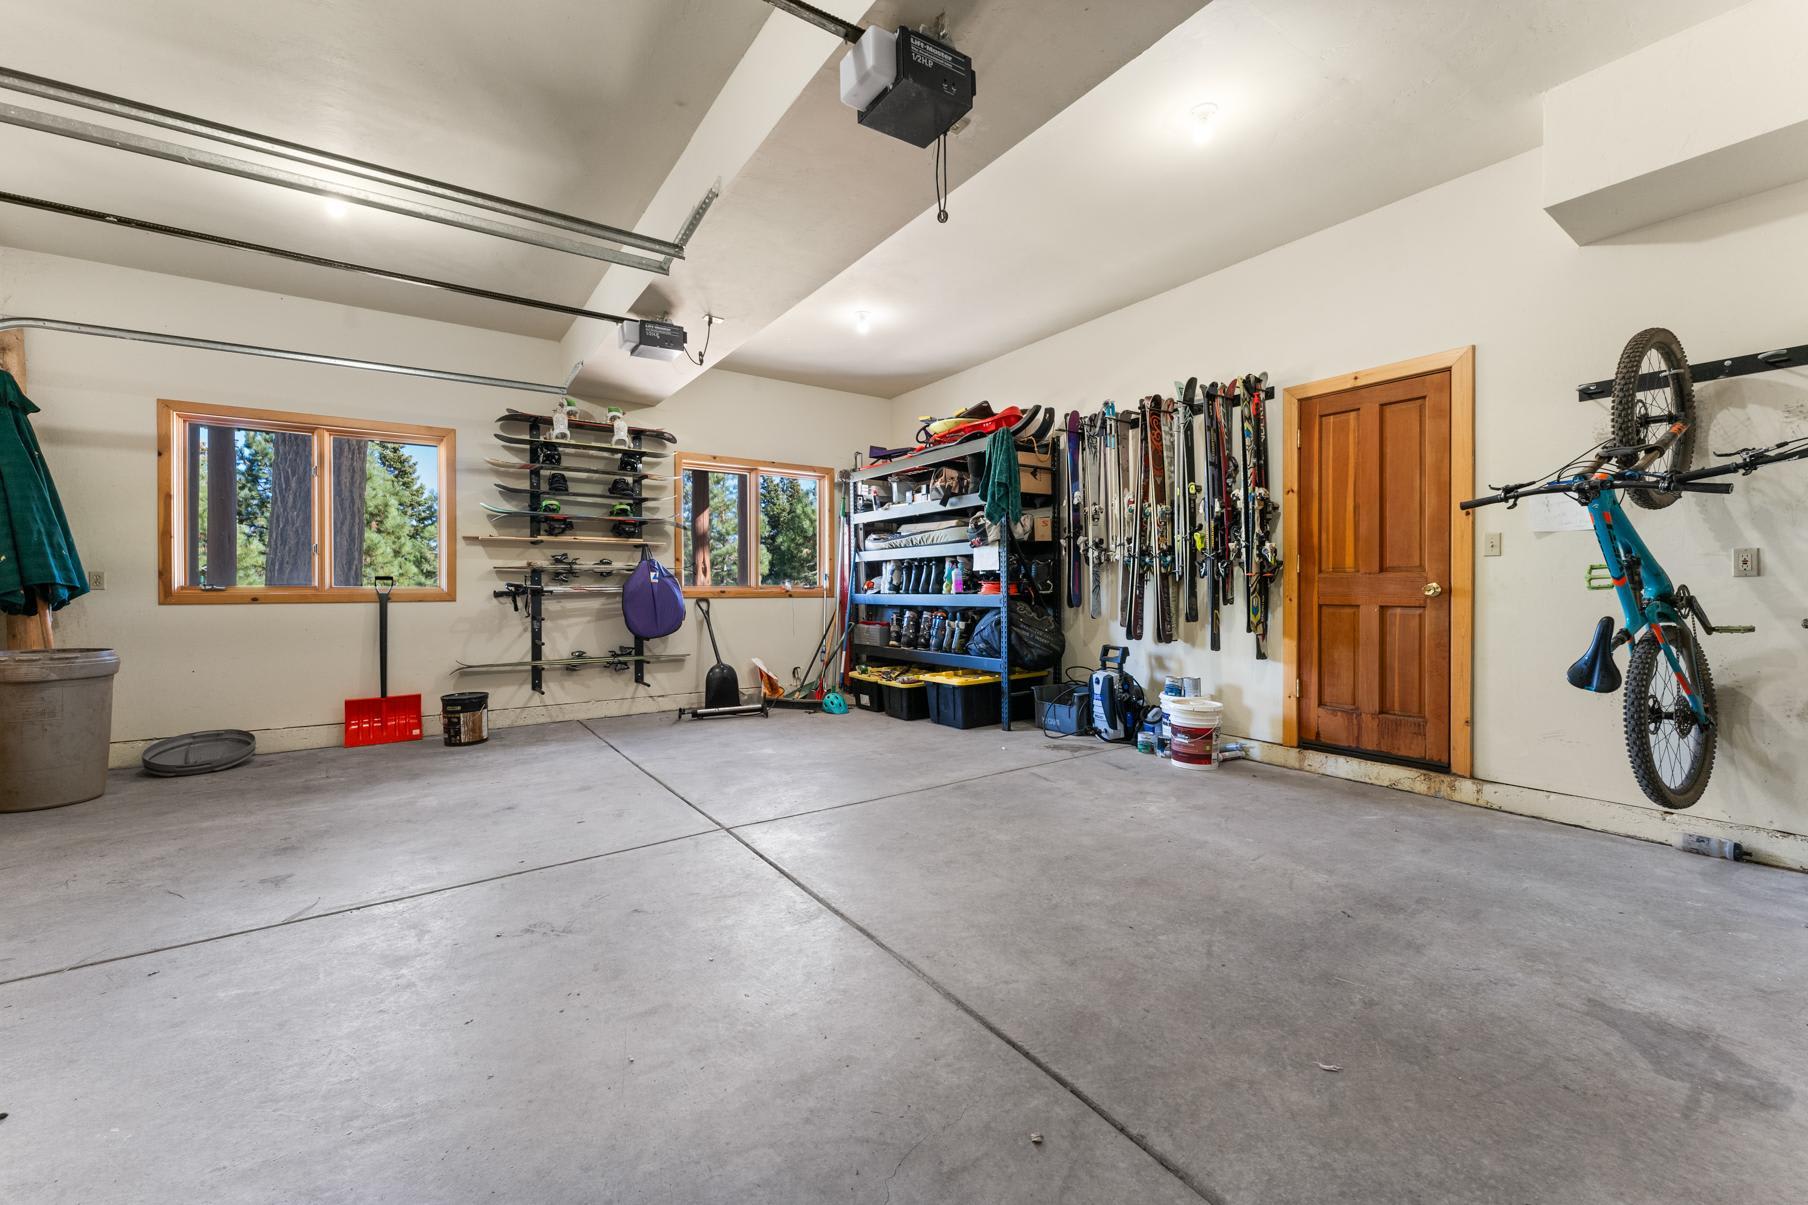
(384, 585)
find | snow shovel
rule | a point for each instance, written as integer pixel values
(382, 720)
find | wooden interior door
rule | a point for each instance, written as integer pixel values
(1374, 591)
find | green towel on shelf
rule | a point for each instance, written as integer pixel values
(1003, 490)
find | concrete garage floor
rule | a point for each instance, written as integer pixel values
(543, 970)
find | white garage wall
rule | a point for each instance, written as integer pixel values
(1476, 261)
(284, 671)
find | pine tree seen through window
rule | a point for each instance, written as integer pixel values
(277, 507)
(751, 527)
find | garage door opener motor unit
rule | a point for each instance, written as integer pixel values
(907, 84)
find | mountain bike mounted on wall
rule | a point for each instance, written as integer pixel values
(1672, 723)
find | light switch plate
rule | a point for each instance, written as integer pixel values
(1745, 562)
(1491, 544)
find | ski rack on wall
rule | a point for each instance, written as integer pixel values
(1711, 370)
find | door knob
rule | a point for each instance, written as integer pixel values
(1432, 590)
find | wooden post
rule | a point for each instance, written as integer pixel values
(23, 631)
(12, 355)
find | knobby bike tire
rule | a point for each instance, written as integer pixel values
(1646, 663)
(1629, 431)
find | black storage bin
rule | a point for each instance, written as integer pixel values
(867, 695)
(906, 701)
(955, 704)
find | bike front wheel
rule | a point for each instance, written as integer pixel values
(1672, 752)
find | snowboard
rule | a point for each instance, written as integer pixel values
(522, 466)
(565, 517)
(588, 424)
(572, 445)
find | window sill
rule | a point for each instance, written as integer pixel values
(248, 596)
(757, 592)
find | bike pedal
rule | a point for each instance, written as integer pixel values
(1736, 629)
(1597, 578)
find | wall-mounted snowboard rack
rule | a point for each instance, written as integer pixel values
(545, 456)
(1711, 370)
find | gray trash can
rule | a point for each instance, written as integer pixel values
(56, 717)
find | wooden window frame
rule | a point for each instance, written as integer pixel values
(688, 462)
(173, 418)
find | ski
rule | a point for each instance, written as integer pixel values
(588, 424)
(1075, 507)
(1208, 541)
(1161, 536)
(1136, 570)
(572, 445)
(623, 659)
(1230, 509)
(1186, 499)
(562, 572)
(1261, 557)
(1092, 478)
(559, 516)
(523, 466)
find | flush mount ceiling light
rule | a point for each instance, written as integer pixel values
(863, 322)
(336, 209)
(1202, 119)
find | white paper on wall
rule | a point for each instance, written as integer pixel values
(1556, 512)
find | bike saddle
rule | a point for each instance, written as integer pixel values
(1596, 669)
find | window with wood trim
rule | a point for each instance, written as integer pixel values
(266, 506)
(753, 527)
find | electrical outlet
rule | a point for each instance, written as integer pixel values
(97, 579)
(1745, 562)
(1491, 544)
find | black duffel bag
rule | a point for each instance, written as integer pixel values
(1036, 639)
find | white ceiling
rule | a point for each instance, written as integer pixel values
(821, 191)
(1329, 108)
(579, 106)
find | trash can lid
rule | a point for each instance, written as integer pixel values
(199, 753)
(56, 665)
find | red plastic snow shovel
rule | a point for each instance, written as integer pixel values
(382, 720)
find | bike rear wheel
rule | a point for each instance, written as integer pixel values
(1672, 754)
(1651, 390)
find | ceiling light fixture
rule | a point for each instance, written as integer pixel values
(337, 209)
(863, 322)
(1201, 118)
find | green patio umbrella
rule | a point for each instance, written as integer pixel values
(38, 563)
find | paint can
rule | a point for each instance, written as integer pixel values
(465, 717)
(1194, 723)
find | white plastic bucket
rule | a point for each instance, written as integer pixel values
(1195, 723)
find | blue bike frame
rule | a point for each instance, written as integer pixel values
(1651, 607)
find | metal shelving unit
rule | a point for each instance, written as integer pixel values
(961, 504)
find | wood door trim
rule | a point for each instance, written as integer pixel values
(1460, 363)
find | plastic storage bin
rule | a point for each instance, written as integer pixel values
(969, 699)
(1064, 707)
(868, 692)
(906, 700)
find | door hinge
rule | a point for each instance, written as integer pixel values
(1298, 688)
